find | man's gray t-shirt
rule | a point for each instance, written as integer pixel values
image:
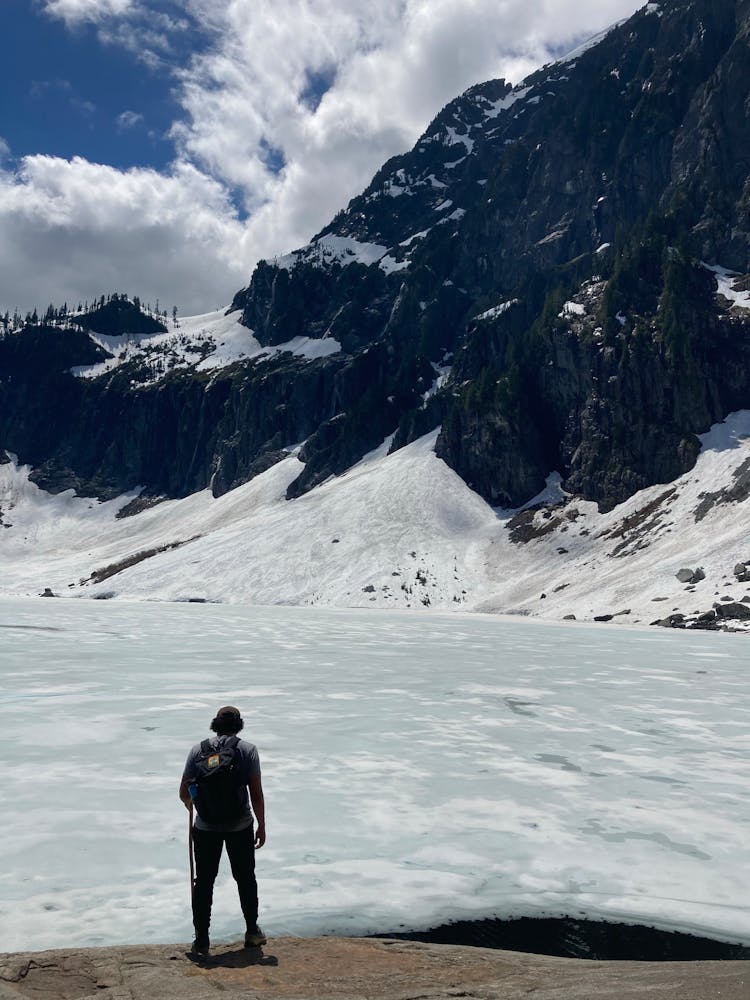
(248, 767)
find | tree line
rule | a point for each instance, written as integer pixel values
(65, 316)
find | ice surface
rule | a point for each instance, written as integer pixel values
(416, 768)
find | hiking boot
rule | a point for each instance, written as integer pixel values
(255, 937)
(200, 947)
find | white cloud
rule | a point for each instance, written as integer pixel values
(4, 149)
(71, 230)
(397, 63)
(83, 107)
(128, 119)
(246, 112)
(136, 25)
(39, 89)
(75, 12)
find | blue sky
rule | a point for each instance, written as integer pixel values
(66, 94)
(161, 147)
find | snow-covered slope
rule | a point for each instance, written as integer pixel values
(198, 343)
(401, 530)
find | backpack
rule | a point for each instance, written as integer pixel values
(220, 791)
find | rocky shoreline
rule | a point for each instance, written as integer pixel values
(330, 967)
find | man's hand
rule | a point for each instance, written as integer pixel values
(259, 808)
(185, 794)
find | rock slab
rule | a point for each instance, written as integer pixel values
(335, 968)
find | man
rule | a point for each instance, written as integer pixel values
(217, 776)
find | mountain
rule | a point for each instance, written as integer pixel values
(554, 279)
(546, 244)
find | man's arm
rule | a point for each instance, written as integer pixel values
(259, 808)
(185, 793)
(188, 776)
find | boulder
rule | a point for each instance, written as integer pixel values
(707, 622)
(733, 610)
(671, 621)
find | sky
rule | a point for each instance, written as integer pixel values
(162, 147)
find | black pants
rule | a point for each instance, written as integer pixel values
(241, 851)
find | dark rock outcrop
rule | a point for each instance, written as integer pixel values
(733, 610)
(690, 575)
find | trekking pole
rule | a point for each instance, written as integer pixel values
(190, 849)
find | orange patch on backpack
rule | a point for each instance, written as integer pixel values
(213, 760)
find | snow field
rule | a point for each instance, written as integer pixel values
(200, 343)
(400, 530)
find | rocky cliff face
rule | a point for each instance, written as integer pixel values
(545, 275)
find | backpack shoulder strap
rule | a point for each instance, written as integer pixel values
(232, 742)
(205, 747)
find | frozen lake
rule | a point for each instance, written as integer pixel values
(418, 767)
